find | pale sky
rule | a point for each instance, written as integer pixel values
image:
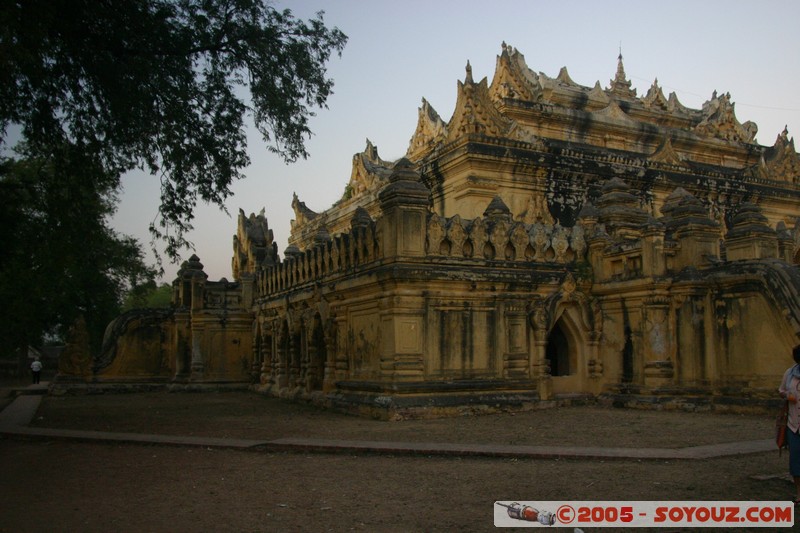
(400, 52)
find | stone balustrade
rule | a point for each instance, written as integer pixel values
(481, 238)
(338, 254)
(504, 240)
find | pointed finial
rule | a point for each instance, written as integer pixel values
(469, 73)
(620, 68)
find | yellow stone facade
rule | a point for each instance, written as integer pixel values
(549, 242)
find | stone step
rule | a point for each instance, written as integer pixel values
(39, 389)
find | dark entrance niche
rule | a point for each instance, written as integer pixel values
(558, 352)
(317, 356)
(627, 357)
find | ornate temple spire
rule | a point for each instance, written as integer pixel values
(620, 85)
(620, 68)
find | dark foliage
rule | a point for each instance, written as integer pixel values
(161, 85)
(97, 88)
(60, 258)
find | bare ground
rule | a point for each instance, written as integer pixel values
(70, 486)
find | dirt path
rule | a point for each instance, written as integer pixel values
(104, 487)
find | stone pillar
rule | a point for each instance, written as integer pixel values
(715, 319)
(267, 352)
(659, 369)
(598, 241)
(294, 359)
(401, 230)
(247, 282)
(281, 370)
(329, 374)
(785, 243)
(697, 234)
(750, 236)
(198, 278)
(183, 345)
(517, 357)
(653, 261)
(405, 203)
(341, 363)
(307, 352)
(256, 363)
(198, 364)
(539, 369)
(402, 339)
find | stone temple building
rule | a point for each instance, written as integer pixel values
(550, 241)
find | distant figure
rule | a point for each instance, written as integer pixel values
(36, 369)
(790, 390)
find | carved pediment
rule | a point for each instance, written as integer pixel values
(564, 78)
(655, 98)
(666, 154)
(369, 172)
(431, 129)
(719, 120)
(513, 79)
(613, 111)
(302, 214)
(253, 245)
(674, 105)
(475, 111)
(598, 95)
(781, 162)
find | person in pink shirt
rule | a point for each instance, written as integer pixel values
(790, 390)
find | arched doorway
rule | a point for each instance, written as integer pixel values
(627, 357)
(564, 355)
